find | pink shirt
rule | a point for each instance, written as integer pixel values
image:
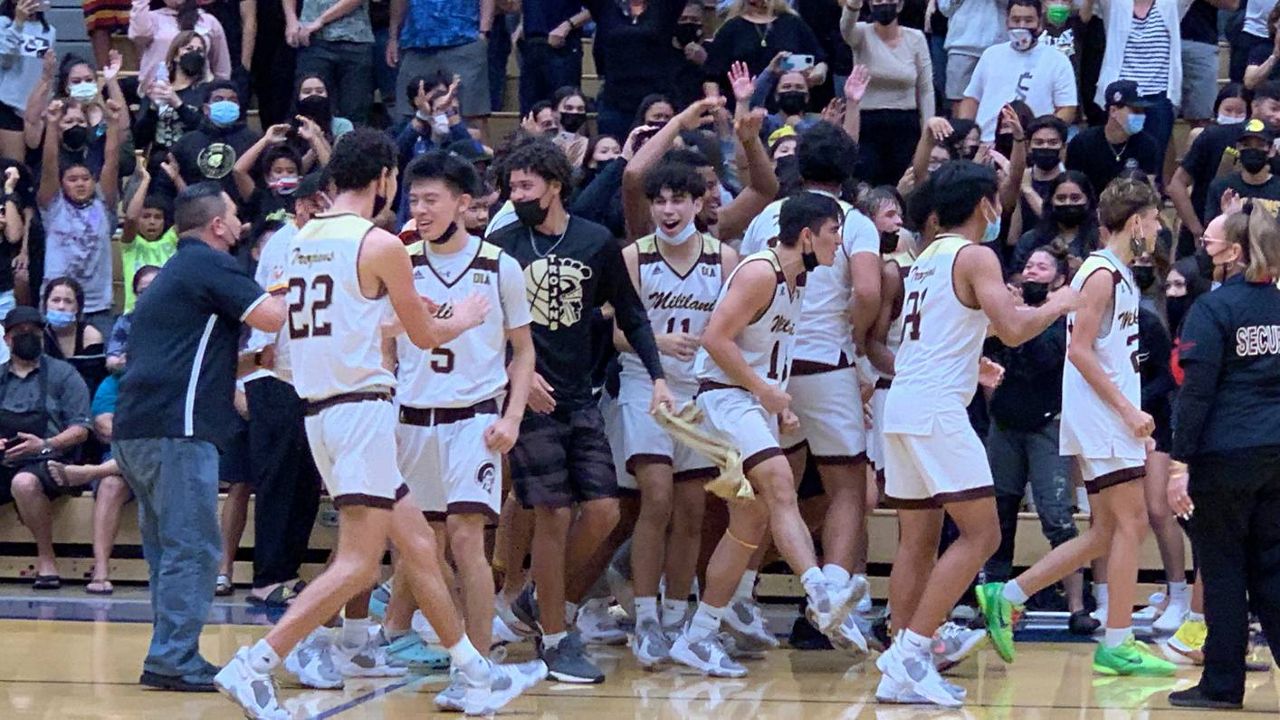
(152, 31)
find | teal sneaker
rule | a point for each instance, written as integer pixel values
(999, 615)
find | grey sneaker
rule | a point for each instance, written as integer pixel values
(452, 698)
(525, 608)
(745, 620)
(649, 645)
(953, 643)
(313, 661)
(829, 604)
(254, 692)
(369, 660)
(707, 656)
(569, 663)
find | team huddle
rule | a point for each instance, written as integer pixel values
(828, 335)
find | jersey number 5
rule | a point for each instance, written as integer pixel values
(304, 312)
(911, 321)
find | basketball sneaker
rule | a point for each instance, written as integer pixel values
(953, 643)
(569, 663)
(503, 612)
(525, 609)
(738, 652)
(484, 687)
(999, 615)
(1130, 658)
(313, 661)
(1186, 647)
(915, 676)
(1171, 619)
(745, 621)
(254, 692)
(707, 656)
(597, 626)
(649, 645)
(850, 638)
(895, 693)
(369, 659)
(828, 605)
(864, 605)
(453, 697)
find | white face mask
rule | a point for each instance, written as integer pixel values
(83, 91)
(679, 238)
(440, 123)
(1229, 120)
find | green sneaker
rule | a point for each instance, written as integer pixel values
(998, 612)
(1131, 658)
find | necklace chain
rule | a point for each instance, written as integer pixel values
(533, 241)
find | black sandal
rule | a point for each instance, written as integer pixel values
(104, 587)
(280, 597)
(47, 582)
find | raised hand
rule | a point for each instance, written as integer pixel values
(1010, 122)
(10, 180)
(278, 133)
(741, 81)
(24, 10)
(939, 128)
(691, 117)
(308, 129)
(55, 110)
(748, 126)
(855, 87)
(114, 62)
(170, 167)
(834, 112)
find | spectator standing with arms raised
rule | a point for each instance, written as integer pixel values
(448, 37)
(899, 99)
(25, 38)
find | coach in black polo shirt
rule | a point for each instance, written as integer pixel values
(175, 411)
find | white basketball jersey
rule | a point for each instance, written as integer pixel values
(675, 303)
(1089, 426)
(767, 343)
(893, 341)
(335, 331)
(471, 367)
(937, 361)
(824, 334)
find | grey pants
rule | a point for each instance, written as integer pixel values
(1019, 457)
(176, 483)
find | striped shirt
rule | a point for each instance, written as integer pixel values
(1146, 54)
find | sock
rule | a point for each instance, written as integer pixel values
(570, 613)
(355, 632)
(836, 575)
(646, 609)
(746, 585)
(1100, 594)
(263, 659)
(705, 623)
(1014, 594)
(1195, 617)
(915, 643)
(1115, 637)
(393, 635)
(464, 656)
(673, 612)
(812, 578)
(551, 641)
(1179, 593)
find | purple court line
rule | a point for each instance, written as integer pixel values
(372, 695)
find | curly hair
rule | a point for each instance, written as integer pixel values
(359, 157)
(544, 159)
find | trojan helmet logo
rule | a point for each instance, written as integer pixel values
(216, 160)
(554, 287)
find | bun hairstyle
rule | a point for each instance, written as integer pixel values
(1257, 233)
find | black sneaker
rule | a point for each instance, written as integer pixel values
(804, 636)
(1082, 623)
(525, 608)
(177, 683)
(568, 663)
(1196, 698)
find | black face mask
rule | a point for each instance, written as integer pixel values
(810, 259)
(1034, 293)
(1144, 276)
(572, 121)
(28, 346)
(1176, 308)
(317, 108)
(448, 233)
(75, 138)
(1070, 216)
(793, 102)
(688, 33)
(1004, 144)
(884, 13)
(530, 212)
(1253, 160)
(1204, 264)
(191, 64)
(888, 243)
(1045, 159)
(379, 204)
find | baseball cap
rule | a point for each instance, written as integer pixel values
(1257, 128)
(1125, 93)
(23, 314)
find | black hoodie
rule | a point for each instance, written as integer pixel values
(210, 152)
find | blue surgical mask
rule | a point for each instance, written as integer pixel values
(60, 318)
(224, 112)
(1134, 123)
(992, 232)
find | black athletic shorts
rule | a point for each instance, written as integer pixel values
(562, 458)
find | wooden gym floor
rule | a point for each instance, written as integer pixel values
(87, 668)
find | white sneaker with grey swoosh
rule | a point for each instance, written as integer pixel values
(254, 692)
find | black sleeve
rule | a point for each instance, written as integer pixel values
(1075, 153)
(228, 288)
(190, 116)
(593, 202)
(724, 50)
(628, 311)
(1150, 153)
(1200, 352)
(1153, 339)
(808, 40)
(1193, 162)
(144, 125)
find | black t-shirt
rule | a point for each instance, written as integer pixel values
(263, 203)
(568, 279)
(1090, 153)
(823, 17)
(182, 348)
(634, 56)
(1030, 395)
(1269, 190)
(1204, 158)
(1200, 24)
(210, 153)
(740, 40)
(1259, 53)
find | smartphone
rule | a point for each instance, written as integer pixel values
(797, 63)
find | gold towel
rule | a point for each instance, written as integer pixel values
(686, 427)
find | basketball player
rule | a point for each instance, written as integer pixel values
(742, 371)
(345, 279)
(677, 272)
(934, 461)
(840, 304)
(453, 427)
(1104, 426)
